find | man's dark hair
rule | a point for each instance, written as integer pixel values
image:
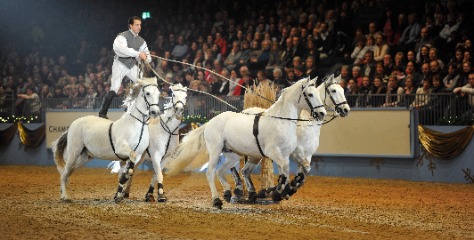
(132, 19)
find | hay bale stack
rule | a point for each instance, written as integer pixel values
(252, 99)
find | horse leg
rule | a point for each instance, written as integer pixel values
(298, 156)
(211, 175)
(159, 177)
(124, 176)
(74, 159)
(239, 188)
(127, 184)
(156, 158)
(228, 163)
(246, 171)
(149, 194)
(284, 167)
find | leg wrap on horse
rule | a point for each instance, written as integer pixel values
(227, 195)
(161, 193)
(280, 189)
(149, 195)
(151, 189)
(129, 168)
(106, 103)
(160, 188)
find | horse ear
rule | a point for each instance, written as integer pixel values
(337, 79)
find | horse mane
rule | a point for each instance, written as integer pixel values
(176, 87)
(135, 90)
(284, 92)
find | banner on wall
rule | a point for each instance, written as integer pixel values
(58, 122)
(369, 133)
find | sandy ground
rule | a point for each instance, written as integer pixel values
(324, 208)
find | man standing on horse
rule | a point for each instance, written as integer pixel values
(129, 49)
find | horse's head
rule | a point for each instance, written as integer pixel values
(148, 97)
(178, 99)
(334, 96)
(313, 101)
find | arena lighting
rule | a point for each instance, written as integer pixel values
(146, 15)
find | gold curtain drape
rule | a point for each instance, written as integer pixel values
(445, 145)
(29, 137)
(7, 135)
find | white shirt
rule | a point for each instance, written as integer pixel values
(122, 50)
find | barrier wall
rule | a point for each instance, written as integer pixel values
(409, 164)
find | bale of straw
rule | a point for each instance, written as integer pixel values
(252, 99)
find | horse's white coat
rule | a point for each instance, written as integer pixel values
(161, 129)
(308, 133)
(234, 131)
(88, 136)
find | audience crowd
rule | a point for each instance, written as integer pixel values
(384, 50)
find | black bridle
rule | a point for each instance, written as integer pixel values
(314, 114)
(179, 101)
(337, 107)
(148, 105)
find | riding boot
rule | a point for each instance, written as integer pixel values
(106, 104)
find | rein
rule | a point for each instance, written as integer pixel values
(283, 118)
(203, 68)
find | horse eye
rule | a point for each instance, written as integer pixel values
(148, 94)
(310, 95)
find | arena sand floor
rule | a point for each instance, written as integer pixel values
(324, 208)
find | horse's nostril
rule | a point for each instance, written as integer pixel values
(153, 112)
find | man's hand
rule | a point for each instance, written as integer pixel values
(142, 56)
(457, 90)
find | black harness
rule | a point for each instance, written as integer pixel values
(255, 132)
(257, 119)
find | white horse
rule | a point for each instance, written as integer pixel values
(308, 133)
(164, 136)
(272, 134)
(126, 138)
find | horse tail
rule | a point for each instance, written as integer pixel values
(114, 166)
(58, 149)
(192, 146)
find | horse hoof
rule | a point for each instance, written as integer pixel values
(217, 203)
(238, 193)
(118, 197)
(227, 195)
(126, 195)
(64, 200)
(149, 198)
(276, 196)
(162, 198)
(252, 197)
(262, 193)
